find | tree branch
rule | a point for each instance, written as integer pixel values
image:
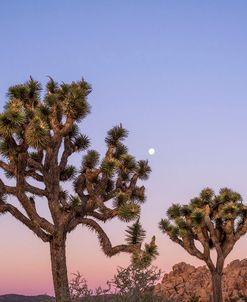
(68, 150)
(7, 189)
(104, 240)
(33, 163)
(106, 214)
(6, 167)
(34, 175)
(22, 218)
(34, 190)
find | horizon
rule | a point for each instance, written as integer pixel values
(173, 73)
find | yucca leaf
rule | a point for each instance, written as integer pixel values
(120, 198)
(116, 135)
(143, 169)
(128, 162)
(91, 159)
(34, 89)
(37, 134)
(181, 223)
(174, 211)
(128, 211)
(73, 97)
(75, 200)
(74, 132)
(151, 249)
(185, 210)
(196, 202)
(68, 173)
(120, 150)
(108, 167)
(19, 91)
(164, 225)
(135, 233)
(11, 121)
(206, 195)
(51, 85)
(5, 149)
(81, 142)
(197, 217)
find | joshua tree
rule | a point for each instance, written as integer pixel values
(215, 222)
(38, 134)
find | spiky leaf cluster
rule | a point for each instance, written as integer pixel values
(135, 233)
(128, 211)
(116, 135)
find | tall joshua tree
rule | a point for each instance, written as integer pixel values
(37, 137)
(213, 221)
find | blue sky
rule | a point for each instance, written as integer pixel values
(173, 72)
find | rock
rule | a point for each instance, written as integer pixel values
(186, 281)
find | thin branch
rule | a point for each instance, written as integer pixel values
(106, 214)
(33, 163)
(34, 175)
(7, 189)
(34, 190)
(22, 218)
(6, 167)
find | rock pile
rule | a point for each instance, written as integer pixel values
(186, 281)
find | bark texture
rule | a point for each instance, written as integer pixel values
(217, 287)
(59, 269)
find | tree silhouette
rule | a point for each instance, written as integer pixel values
(38, 134)
(215, 221)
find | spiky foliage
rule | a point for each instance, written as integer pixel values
(135, 233)
(215, 221)
(39, 131)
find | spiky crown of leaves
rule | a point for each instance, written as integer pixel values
(184, 220)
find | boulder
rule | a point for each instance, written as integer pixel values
(186, 281)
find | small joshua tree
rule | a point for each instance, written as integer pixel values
(215, 221)
(38, 134)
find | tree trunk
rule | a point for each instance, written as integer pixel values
(217, 286)
(59, 269)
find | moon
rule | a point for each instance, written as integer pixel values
(151, 151)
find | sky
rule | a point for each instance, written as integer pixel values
(172, 72)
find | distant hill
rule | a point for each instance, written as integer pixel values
(42, 298)
(21, 298)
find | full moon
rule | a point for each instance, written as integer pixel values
(151, 151)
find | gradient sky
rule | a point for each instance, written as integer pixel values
(173, 72)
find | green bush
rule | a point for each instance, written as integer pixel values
(132, 284)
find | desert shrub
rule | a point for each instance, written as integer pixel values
(135, 280)
(132, 284)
